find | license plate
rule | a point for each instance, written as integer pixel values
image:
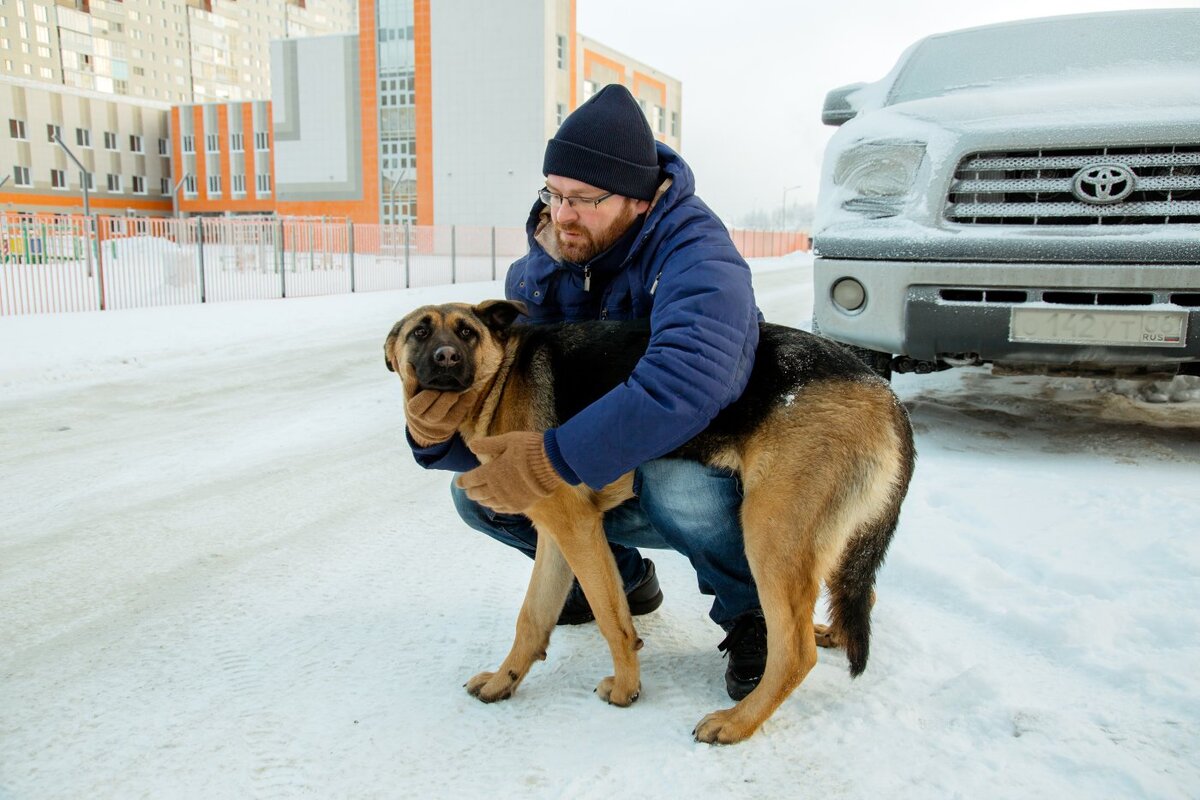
(1138, 328)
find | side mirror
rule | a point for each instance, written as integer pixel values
(838, 108)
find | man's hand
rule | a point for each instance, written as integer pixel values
(517, 476)
(434, 416)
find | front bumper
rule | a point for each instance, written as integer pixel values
(907, 310)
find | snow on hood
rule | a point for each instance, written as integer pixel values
(1096, 97)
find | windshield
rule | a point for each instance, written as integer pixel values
(1064, 48)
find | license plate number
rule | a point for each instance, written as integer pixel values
(1138, 328)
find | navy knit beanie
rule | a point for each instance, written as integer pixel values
(608, 143)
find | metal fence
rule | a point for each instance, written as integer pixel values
(54, 264)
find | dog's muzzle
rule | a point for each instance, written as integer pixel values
(446, 369)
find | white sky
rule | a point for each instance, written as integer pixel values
(755, 73)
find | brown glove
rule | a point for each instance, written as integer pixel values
(434, 416)
(517, 476)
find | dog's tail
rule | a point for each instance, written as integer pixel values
(852, 586)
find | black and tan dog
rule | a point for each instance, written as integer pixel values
(823, 448)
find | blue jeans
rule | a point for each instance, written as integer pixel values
(679, 505)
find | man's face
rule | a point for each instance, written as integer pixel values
(586, 230)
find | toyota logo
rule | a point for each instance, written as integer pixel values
(1103, 183)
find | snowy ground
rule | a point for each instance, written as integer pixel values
(221, 575)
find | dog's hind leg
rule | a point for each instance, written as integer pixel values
(548, 587)
(788, 586)
(577, 525)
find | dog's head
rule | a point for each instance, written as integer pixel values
(450, 347)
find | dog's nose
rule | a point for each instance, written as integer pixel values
(446, 356)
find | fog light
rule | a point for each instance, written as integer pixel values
(849, 294)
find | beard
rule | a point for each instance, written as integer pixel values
(589, 244)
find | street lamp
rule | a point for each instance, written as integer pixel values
(783, 210)
(175, 195)
(83, 174)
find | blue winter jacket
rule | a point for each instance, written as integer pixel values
(683, 272)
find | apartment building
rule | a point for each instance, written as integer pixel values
(438, 112)
(122, 144)
(115, 67)
(435, 112)
(224, 156)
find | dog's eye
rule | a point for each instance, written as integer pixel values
(420, 333)
(466, 333)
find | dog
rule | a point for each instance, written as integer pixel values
(823, 448)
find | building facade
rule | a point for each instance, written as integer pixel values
(224, 153)
(110, 69)
(123, 145)
(434, 112)
(438, 111)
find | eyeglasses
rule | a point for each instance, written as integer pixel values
(556, 200)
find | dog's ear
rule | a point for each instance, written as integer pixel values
(389, 343)
(499, 315)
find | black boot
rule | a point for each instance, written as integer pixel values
(746, 646)
(643, 597)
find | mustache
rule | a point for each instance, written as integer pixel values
(570, 228)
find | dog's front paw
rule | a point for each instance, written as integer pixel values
(723, 727)
(492, 686)
(623, 696)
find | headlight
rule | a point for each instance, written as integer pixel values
(879, 169)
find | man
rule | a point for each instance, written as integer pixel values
(618, 233)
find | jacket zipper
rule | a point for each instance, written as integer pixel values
(587, 279)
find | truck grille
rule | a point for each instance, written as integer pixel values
(1042, 187)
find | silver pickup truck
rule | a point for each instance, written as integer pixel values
(1025, 195)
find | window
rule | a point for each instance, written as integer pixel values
(562, 51)
(135, 144)
(674, 123)
(561, 115)
(162, 147)
(589, 89)
(189, 144)
(164, 186)
(21, 176)
(110, 140)
(87, 179)
(212, 143)
(114, 182)
(262, 141)
(214, 185)
(189, 185)
(239, 183)
(139, 184)
(83, 137)
(58, 179)
(263, 184)
(235, 143)
(660, 119)
(16, 128)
